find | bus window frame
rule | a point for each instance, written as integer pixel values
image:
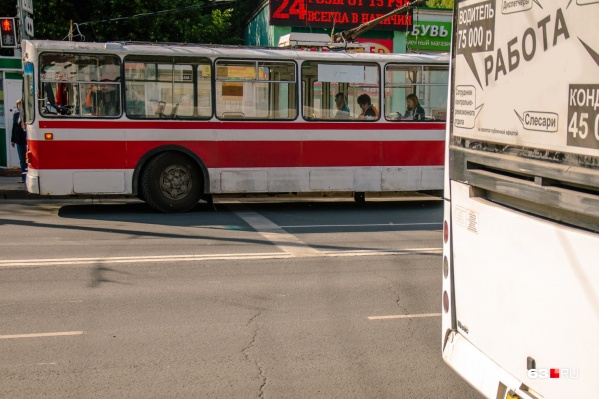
(29, 92)
(239, 116)
(309, 85)
(423, 67)
(196, 63)
(118, 82)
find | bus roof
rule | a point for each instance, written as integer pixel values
(219, 51)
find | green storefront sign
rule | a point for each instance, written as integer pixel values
(429, 36)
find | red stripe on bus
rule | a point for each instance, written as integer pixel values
(239, 154)
(239, 125)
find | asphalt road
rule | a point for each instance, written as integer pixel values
(258, 299)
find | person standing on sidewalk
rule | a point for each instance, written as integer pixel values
(19, 138)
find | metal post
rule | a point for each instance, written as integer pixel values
(21, 16)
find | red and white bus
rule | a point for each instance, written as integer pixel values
(176, 123)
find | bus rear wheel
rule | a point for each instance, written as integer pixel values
(171, 182)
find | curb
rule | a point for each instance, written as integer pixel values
(10, 172)
(18, 194)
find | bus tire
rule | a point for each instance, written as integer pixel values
(360, 198)
(171, 182)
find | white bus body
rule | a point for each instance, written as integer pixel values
(521, 237)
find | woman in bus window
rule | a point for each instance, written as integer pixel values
(414, 111)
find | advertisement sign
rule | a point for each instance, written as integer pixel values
(516, 83)
(376, 45)
(342, 14)
(429, 36)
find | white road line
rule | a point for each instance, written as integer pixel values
(274, 233)
(404, 316)
(406, 251)
(22, 263)
(40, 335)
(362, 225)
(138, 259)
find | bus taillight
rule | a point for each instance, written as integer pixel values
(445, 232)
(445, 301)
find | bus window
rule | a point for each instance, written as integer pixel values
(202, 103)
(160, 88)
(28, 89)
(415, 92)
(80, 85)
(323, 81)
(255, 90)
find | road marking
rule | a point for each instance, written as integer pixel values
(363, 225)
(39, 335)
(386, 252)
(286, 242)
(33, 263)
(404, 316)
(138, 259)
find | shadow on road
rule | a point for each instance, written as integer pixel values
(135, 219)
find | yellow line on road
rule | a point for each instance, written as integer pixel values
(40, 335)
(298, 251)
(404, 316)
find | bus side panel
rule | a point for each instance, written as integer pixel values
(530, 293)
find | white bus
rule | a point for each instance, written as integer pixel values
(175, 123)
(521, 220)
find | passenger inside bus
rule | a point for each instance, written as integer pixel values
(369, 112)
(342, 108)
(414, 111)
(52, 106)
(102, 100)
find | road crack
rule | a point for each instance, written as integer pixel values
(247, 352)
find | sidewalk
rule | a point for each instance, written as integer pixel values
(10, 186)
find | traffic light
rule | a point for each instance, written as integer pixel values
(8, 33)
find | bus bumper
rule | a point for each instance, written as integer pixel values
(481, 372)
(32, 183)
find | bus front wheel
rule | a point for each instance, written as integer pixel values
(171, 182)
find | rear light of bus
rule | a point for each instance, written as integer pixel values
(49, 136)
(445, 232)
(445, 301)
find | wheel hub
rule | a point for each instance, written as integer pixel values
(175, 182)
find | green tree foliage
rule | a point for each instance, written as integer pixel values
(184, 21)
(439, 3)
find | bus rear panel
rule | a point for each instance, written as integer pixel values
(521, 240)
